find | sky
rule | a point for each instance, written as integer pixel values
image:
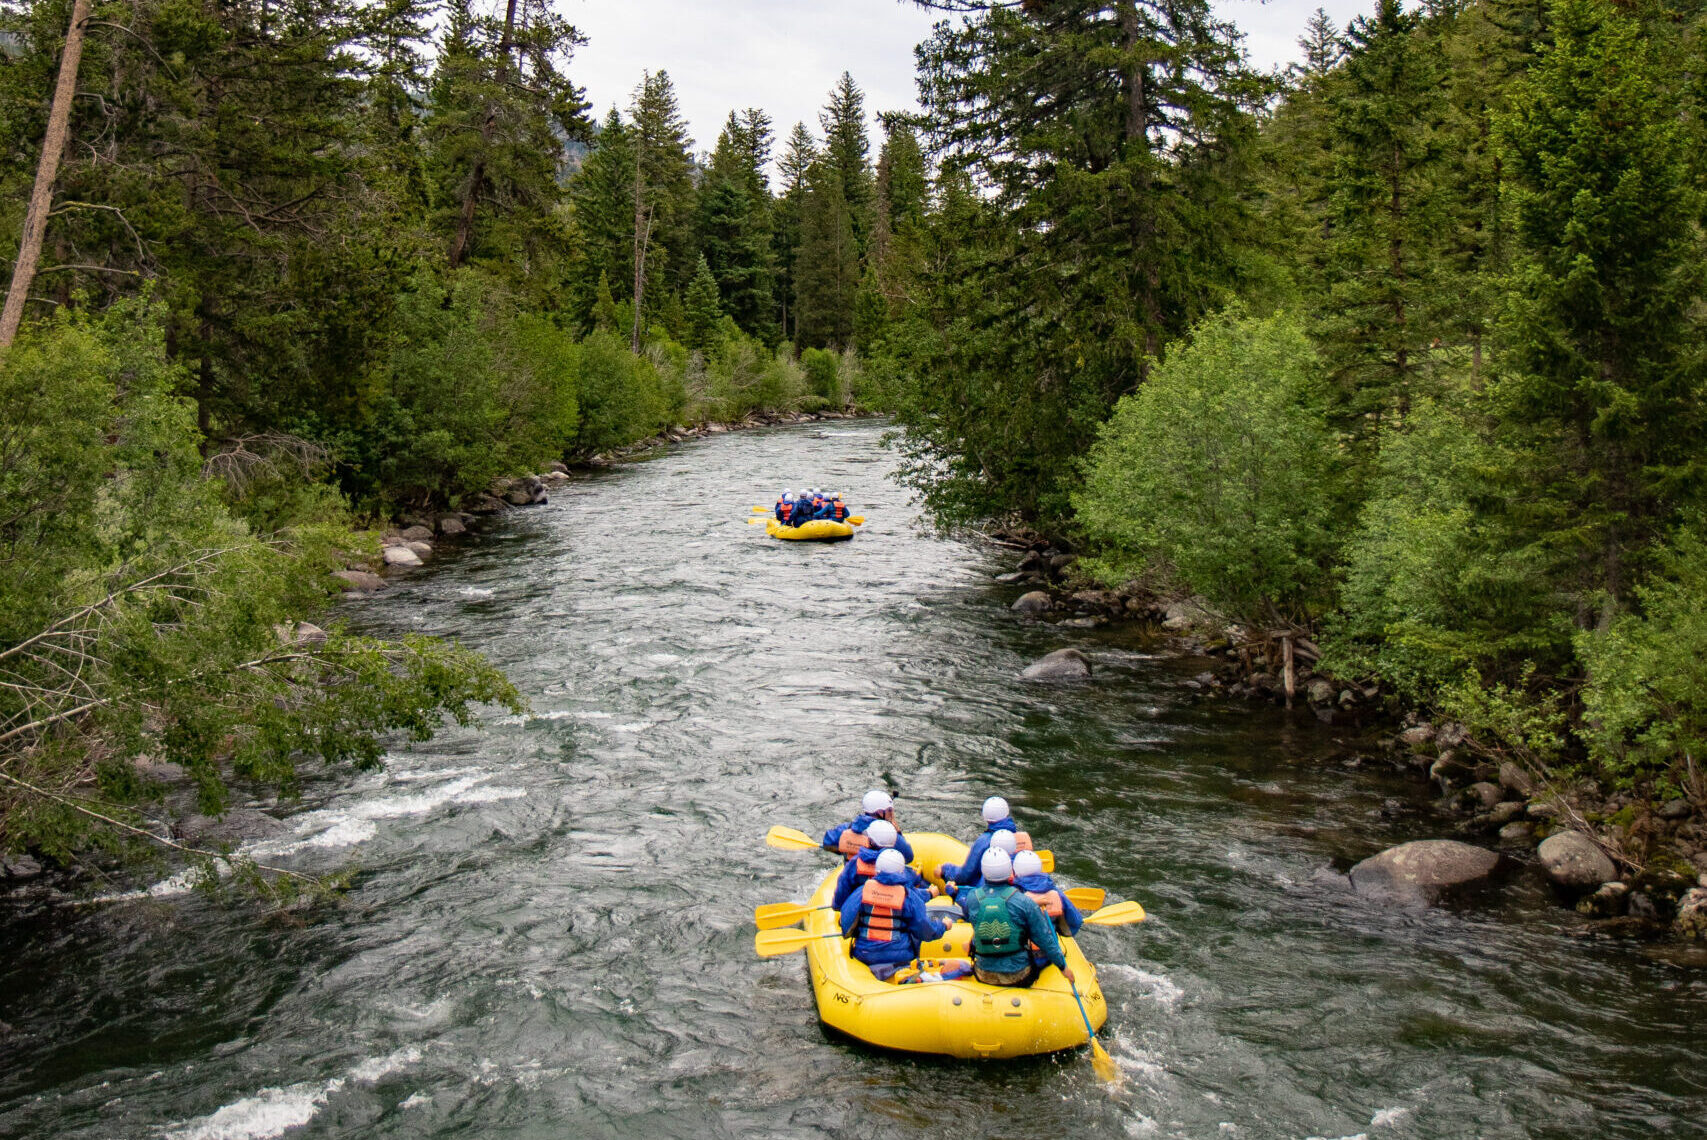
(784, 55)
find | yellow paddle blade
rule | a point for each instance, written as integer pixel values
(1086, 898)
(770, 943)
(1106, 1070)
(1120, 914)
(751, 521)
(761, 510)
(1047, 858)
(772, 916)
(788, 839)
(856, 520)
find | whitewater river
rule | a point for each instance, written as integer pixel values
(549, 928)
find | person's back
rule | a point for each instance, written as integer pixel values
(1041, 889)
(888, 921)
(881, 836)
(785, 508)
(1005, 926)
(847, 839)
(996, 818)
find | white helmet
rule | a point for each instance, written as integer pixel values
(875, 801)
(995, 808)
(995, 865)
(891, 862)
(1004, 841)
(882, 833)
(1027, 863)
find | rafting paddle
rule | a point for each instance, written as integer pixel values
(770, 943)
(1106, 1070)
(1119, 914)
(771, 916)
(788, 839)
(1086, 898)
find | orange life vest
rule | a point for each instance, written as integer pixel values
(841, 510)
(1049, 902)
(848, 844)
(787, 509)
(1022, 841)
(880, 906)
(863, 869)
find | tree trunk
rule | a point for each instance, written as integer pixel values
(41, 198)
(1291, 669)
(465, 223)
(642, 238)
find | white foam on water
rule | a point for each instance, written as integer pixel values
(275, 1111)
(662, 658)
(415, 1100)
(593, 714)
(637, 726)
(475, 592)
(492, 795)
(419, 775)
(1158, 987)
(1388, 1116)
(1142, 1126)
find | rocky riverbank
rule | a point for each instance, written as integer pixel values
(1630, 863)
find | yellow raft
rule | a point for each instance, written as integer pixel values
(816, 530)
(963, 1018)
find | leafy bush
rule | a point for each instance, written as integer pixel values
(823, 374)
(139, 616)
(1437, 582)
(1219, 470)
(622, 395)
(1645, 703)
(472, 390)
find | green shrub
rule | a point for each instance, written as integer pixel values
(622, 396)
(823, 375)
(1219, 470)
(1645, 703)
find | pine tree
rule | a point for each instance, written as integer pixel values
(847, 151)
(1603, 372)
(797, 159)
(1382, 316)
(601, 197)
(827, 272)
(701, 311)
(1322, 45)
(662, 193)
(605, 315)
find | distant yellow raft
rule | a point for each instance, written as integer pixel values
(817, 530)
(958, 1019)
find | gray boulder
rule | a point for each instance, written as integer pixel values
(1519, 832)
(20, 867)
(359, 580)
(1061, 665)
(421, 549)
(1034, 602)
(416, 534)
(1321, 692)
(1515, 779)
(1483, 793)
(401, 556)
(451, 525)
(1504, 813)
(486, 505)
(1574, 863)
(1675, 809)
(1422, 870)
(1607, 902)
(1417, 735)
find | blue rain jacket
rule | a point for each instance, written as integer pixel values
(914, 925)
(858, 825)
(968, 872)
(1037, 927)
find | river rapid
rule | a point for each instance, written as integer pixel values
(549, 932)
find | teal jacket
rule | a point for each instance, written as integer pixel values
(1029, 917)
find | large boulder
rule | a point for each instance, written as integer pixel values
(1574, 863)
(1321, 691)
(1061, 665)
(421, 549)
(416, 534)
(19, 867)
(451, 525)
(359, 580)
(401, 556)
(1034, 602)
(1515, 779)
(1422, 870)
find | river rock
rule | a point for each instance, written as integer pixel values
(1417, 735)
(1060, 562)
(1675, 809)
(359, 580)
(1083, 622)
(307, 633)
(1034, 602)
(1573, 862)
(20, 867)
(401, 556)
(451, 525)
(1483, 793)
(1607, 902)
(1034, 560)
(235, 826)
(1516, 780)
(1016, 576)
(1519, 832)
(416, 533)
(558, 466)
(1182, 615)
(486, 505)
(1692, 915)
(1320, 691)
(1421, 870)
(422, 549)
(1061, 665)
(1448, 770)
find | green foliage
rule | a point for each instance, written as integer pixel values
(472, 390)
(622, 396)
(1645, 704)
(823, 374)
(703, 314)
(138, 616)
(1219, 470)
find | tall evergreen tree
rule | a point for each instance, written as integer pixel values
(797, 158)
(601, 199)
(827, 271)
(847, 151)
(701, 310)
(662, 195)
